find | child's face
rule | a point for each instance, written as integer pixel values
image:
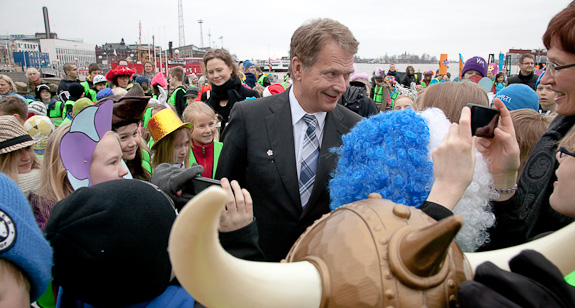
(204, 129)
(13, 293)
(100, 86)
(470, 73)
(181, 146)
(403, 103)
(500, 79)
(564, 187)
(129, 136)
(190, 99)
(107, 160)
(546, 96)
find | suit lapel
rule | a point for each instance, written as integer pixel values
(280, 134)
(332, 132)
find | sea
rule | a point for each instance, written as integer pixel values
(369, 68)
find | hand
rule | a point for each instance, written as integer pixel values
(501, 151)
(454, 163)
(172, 179)
(239, 210)
(533, 282)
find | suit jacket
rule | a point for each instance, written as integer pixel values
(259, 153)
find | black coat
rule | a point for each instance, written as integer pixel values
(259, 153)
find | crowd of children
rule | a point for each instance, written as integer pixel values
(69, 160)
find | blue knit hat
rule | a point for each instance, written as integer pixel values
(476, 63)
(23, 243)
(518, 96)
(105, 92)
(247, 64)
(140, 79)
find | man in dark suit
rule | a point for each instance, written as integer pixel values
(267, 141)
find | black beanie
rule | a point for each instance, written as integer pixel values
(110, 242)
(75, 89)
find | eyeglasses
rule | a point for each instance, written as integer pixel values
(563, 151)
(552, 68)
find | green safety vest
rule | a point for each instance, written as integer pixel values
(378, 94)
(261, 79)
(147, 117)
(68, 106)
(91, 94)
(217, 150)
(423, 85)
(172, 99)
(55, 114)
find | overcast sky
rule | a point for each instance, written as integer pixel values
(263, 29)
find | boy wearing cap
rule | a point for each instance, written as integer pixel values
(54, 108)
(191, 95)
(250, 73)
(25, 256)
(474, 66)
(100, 83)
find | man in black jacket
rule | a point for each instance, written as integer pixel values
(526, 72)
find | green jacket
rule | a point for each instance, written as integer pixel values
(147, 117)
(90, 93)
(146, 160)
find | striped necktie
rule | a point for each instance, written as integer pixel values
(309, 157)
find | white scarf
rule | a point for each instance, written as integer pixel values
(29, 182)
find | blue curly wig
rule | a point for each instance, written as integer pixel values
(385, 154)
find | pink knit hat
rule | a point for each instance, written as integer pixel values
(160, 80)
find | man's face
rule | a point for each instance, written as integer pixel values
(148, 68)
(33, 75)
(319, 87)
(527, 66)
(94, 73)
(392, 67)
(73, 73)
(123, 63)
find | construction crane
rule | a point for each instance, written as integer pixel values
(181, 23)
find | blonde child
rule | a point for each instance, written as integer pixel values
(205, 150)
(171, 139)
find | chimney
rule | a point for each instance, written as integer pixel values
(46, 22)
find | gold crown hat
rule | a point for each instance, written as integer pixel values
(13, 136)
(163, 123)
